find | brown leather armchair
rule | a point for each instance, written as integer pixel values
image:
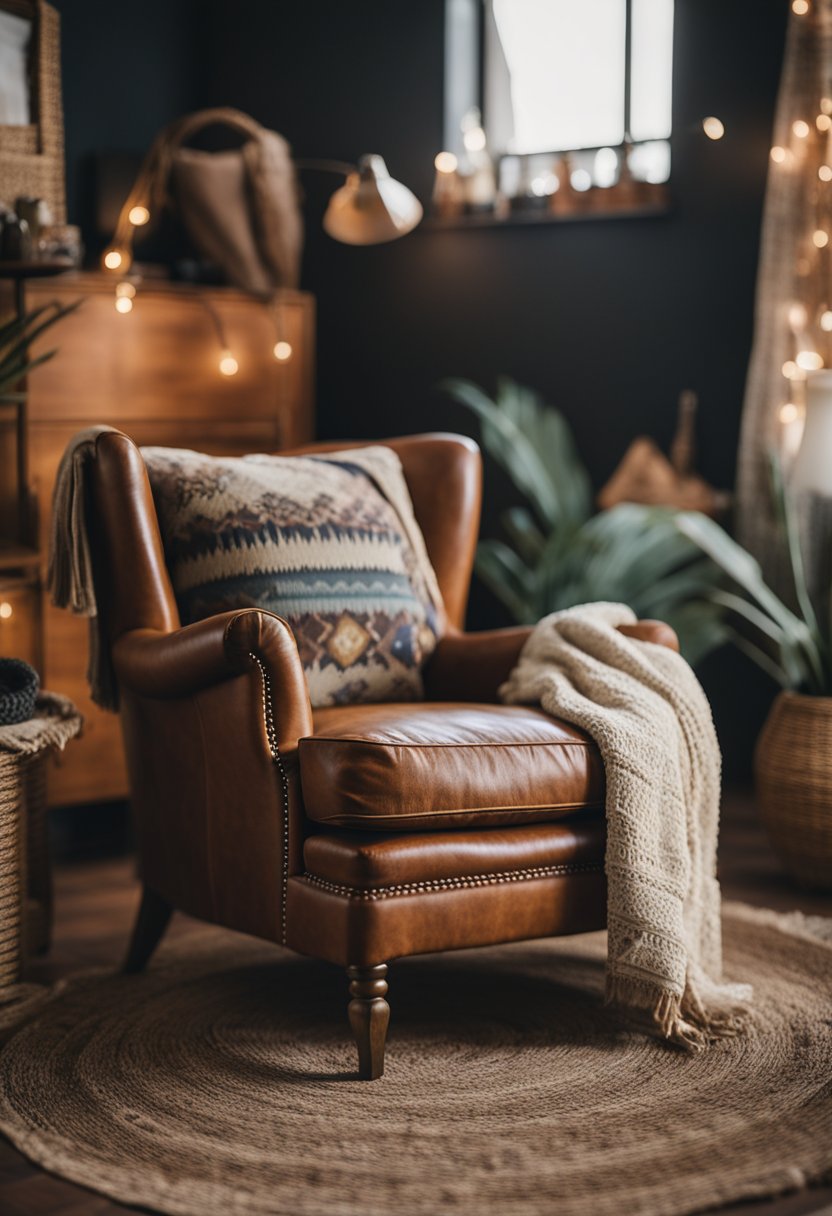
(360, 834)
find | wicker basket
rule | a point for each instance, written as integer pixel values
(793, 769)
(14, 924)
(32, 157)
(25, 882)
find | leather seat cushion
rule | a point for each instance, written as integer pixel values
(430, 765)
(370, 861)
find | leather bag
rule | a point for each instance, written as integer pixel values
(239, 206)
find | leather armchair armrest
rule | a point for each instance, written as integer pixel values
(652, 631)
(472, 666)
(167, 666)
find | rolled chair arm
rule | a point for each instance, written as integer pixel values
(652, 631)
(167, 666)
(472, 666)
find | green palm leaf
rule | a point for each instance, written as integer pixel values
(16, 338)
(742, 569)
(511, 446)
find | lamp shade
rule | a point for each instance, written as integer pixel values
(371, 207)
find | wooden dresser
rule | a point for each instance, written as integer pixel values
(153, 373)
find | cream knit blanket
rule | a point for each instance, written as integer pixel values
(646, 711)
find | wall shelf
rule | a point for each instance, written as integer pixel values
(532, 219)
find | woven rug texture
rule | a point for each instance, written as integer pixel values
(221, 1082)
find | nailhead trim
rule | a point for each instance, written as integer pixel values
(451, 884)
(271, 737)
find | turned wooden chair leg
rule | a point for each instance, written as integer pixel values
(152, 920)
(369, 1017)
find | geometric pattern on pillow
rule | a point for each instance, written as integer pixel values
(315, 540)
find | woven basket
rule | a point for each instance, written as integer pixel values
(13, 867)
(793, 769)
(32, 157)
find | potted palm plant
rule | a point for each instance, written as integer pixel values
(793, 757)
(557, 551)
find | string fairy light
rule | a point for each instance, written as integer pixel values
(282, 349)
(125, 292)
(227, 362)
(228, 365)
(798, 316)
(802, 150)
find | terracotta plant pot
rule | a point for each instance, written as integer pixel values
(793, 770)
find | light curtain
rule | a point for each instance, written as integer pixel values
(793, 318)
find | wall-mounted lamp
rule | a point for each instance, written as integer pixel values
(371, 207)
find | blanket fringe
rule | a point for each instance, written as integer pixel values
(680, 1019)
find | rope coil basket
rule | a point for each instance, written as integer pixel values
(18, 689)
(13, 864)
(25, 880)
(793, 770)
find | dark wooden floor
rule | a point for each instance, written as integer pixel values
(95, 902)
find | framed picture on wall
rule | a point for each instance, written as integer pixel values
(31, 112)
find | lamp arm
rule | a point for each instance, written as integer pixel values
(326, 166)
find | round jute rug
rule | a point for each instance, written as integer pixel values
(220, 1082)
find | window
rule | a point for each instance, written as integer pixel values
(532, 80)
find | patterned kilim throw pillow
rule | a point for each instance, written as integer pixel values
(330, 543)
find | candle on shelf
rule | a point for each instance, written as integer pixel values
(448, 190)
(791, 423)
(812, 468)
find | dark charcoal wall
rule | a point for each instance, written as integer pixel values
(127, 70)
(609, 319)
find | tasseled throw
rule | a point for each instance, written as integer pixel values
(70, 574)
(646, 711)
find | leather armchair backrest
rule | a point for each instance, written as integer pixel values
(443, 473)
(444, 476)
(132, 585)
